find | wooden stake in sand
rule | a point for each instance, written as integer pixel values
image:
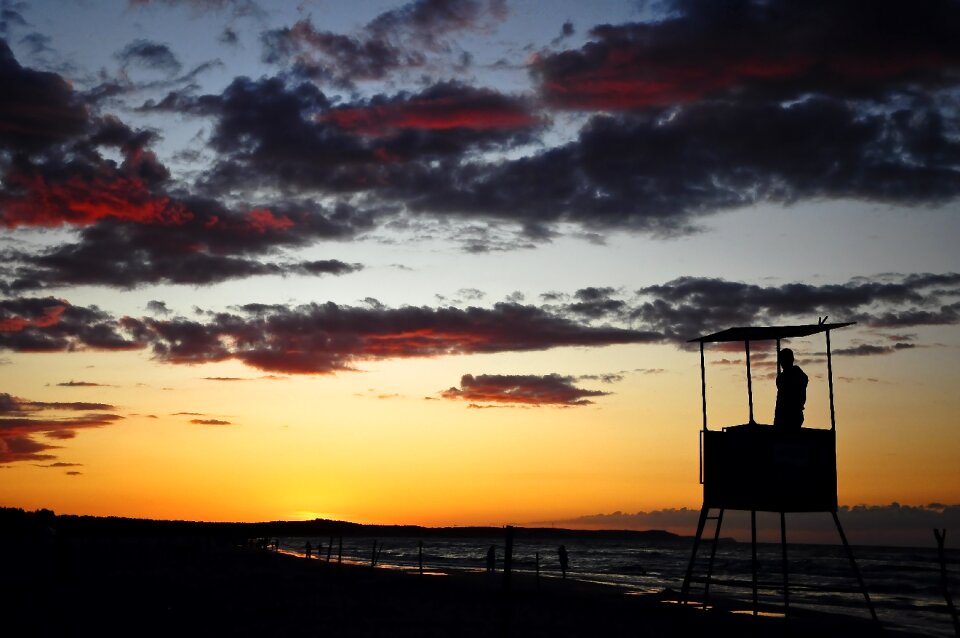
(941, 536)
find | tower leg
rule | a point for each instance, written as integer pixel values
(753, 562)
(685, 590)
(713, 554)
(783, 547)
(856, 570)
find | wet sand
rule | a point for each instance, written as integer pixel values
(161, 588)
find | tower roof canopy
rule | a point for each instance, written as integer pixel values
(769, 333)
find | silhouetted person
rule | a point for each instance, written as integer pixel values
(791, 392)
(309, 549)
(491, 558)
(562, 552)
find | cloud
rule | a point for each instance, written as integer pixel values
(135, 226)
(207, 244)
(325, 267)
(751, 51)
(149, 55)
(210, 422)
(239, 8)
(443, 106)
(327, 338)
(11, 17)
(551, 389)
(283, 145)
(660, 172)
(37, 109)
(32, 199)
(610, 377)
(229, 37)
(21, 448)
(867, 349)
(82, 384)
(158, 307)
(54, 325)
(397, 39)
(277, 132)
(21, 420)
(688, 307)
(596, 303)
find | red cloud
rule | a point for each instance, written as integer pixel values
(551, 389)
(34, 200)
(440, 114)
(626, 79)
(262, 220)
(783, 53)
(51, 315)
(440, 108)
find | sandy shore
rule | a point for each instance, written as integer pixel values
(158, 588)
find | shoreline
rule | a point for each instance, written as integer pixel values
(144, 587)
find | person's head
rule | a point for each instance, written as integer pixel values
(786, 358)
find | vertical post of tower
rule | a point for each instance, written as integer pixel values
(783, 548)
(833, 414)
(703, 387)
(753, 562)
(746, 345)
(778, 358)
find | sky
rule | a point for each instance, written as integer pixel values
(437, 262)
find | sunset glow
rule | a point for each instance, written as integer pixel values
(437, 263)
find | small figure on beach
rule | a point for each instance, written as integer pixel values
(491, 559)
(564, 560)
(309, 550)
(791, 391)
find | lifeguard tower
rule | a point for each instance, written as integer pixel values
(757, 467)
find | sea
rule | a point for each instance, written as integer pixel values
(903, 583)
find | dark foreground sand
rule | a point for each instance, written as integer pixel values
(137, 588)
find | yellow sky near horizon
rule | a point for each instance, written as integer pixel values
(381, 446)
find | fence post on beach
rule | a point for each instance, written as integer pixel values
(420, 548)
(538, 570)
(507, 557)
(941, 536)
(340, 551)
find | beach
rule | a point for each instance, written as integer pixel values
(169, 587)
